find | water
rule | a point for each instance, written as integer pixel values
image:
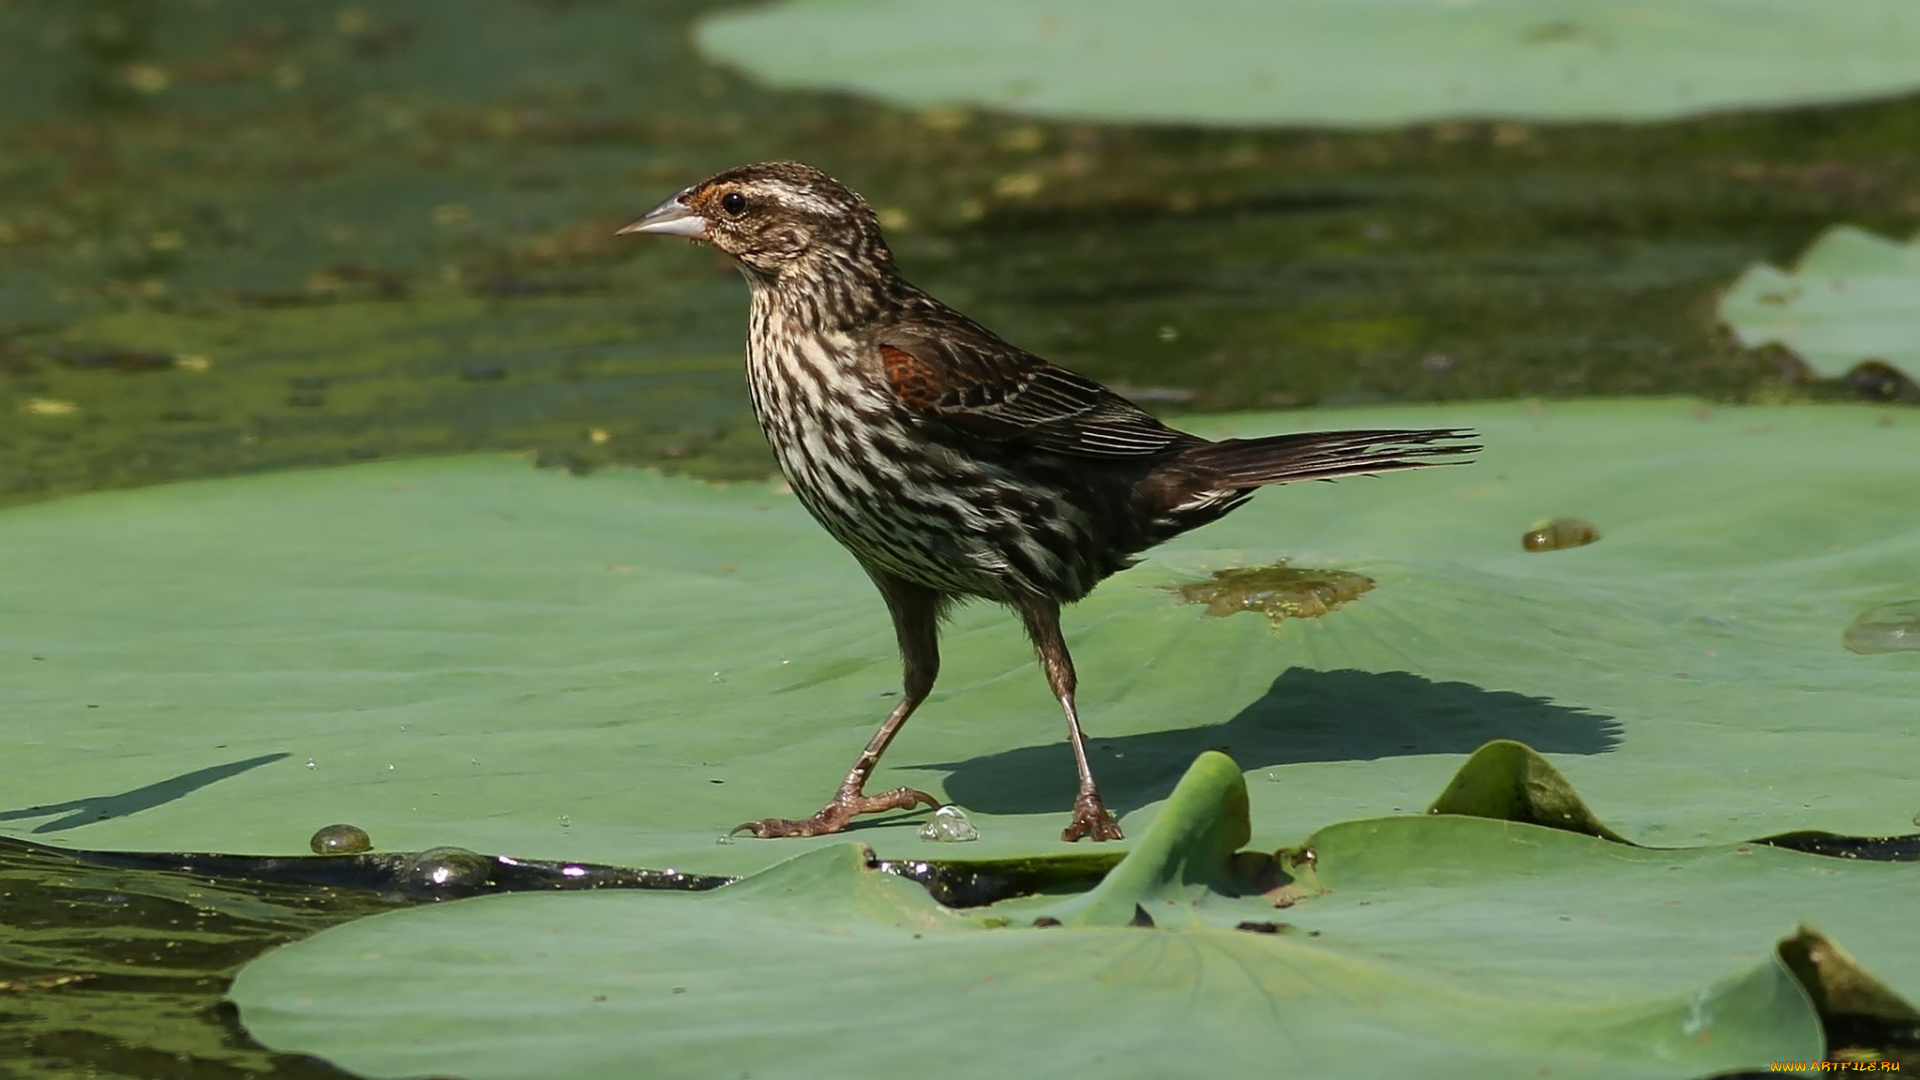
(1560, 534)
(1885, 629)
(950, 825)
(406, 225)
(340, 840)
(147, 955)
(444, 873)
(1279, 591)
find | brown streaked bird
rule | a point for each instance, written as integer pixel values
(954, 465)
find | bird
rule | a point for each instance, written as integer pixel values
(954, 465)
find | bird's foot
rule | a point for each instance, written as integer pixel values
(835, 815)
(1091, 819)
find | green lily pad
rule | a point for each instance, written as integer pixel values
(1449, 946)
(1853, 298)
(1838, 984)
(1325, 62)
(1508, 781)
(619, 668)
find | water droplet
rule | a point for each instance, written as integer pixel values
(311, 764)
(443, 873)
(340, 840)
(1560, 533)
(949, 825)
(566, 821)
(1884, 629)
(723, 838)
(389, 766)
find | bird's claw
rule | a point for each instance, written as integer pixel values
(834, 816)
(1091, 820)
(768, 828)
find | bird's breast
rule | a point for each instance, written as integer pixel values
(904, 497)
(819, 406)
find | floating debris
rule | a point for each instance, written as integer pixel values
(1885, 629)
(1560, 533)
(950, 825)
(1279, 591)
(341, 840)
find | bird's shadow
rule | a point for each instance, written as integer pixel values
(1304, 716)
(89, 809)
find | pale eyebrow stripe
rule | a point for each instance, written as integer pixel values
(802, 200)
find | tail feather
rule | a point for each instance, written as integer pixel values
(1325, 455)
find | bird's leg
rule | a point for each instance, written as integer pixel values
(916, 622)
(1090, 816)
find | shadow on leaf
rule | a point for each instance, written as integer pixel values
(1304, 716)
(87, 810)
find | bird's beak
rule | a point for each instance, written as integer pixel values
(670, 218)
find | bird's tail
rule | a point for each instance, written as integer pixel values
(1325, 455)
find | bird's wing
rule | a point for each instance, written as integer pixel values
(959, 374)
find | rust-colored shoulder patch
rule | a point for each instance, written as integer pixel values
(912, 378)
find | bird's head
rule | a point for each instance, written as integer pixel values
(770, 217)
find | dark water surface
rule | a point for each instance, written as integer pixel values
(119, 973)
(245, 235)
(239, 235)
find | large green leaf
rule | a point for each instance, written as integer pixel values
(1332, 62)
(620, 668)
(1444, 946)
(1853, 298)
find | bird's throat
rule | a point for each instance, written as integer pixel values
(824, 293)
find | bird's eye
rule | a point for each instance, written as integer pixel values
(734, 203)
